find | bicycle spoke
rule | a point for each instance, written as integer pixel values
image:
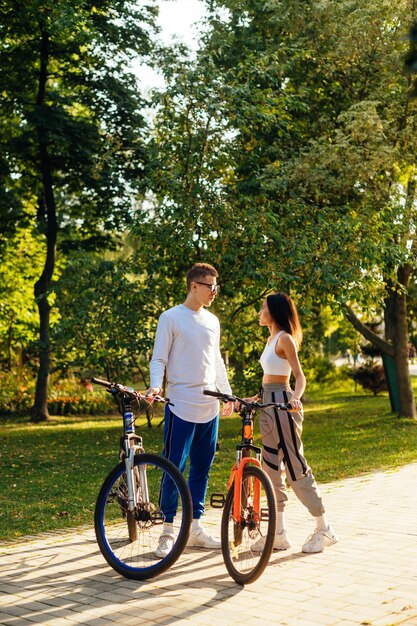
(129, 539)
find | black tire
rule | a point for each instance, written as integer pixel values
(131, 551)
(243, 564)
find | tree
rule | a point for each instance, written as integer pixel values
(368, 163)
(73, 145)
(335, 166)
(106, 326)
(191, 213)
(284, 153)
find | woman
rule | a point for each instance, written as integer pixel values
(281, 430)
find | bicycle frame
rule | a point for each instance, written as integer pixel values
(130, 443)
(242, 460)
(243, 457)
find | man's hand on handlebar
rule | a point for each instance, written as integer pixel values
(237, 406)
(151, 393)
(227, 409)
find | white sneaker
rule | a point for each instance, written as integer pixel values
(319, 540)
(200, 539)
(165, 545)
(281, 542)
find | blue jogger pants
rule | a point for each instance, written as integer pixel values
(198, 442)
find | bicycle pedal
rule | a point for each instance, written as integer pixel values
(217, 500)
(265, 514)
(158, 517)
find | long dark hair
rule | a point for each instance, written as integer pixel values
(284, 313)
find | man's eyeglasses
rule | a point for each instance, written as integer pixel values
(213, 288)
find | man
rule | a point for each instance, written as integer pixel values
(187, 346)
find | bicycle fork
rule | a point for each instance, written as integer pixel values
(135, 476)
(217, 500)
(133, 481)
(236, 476)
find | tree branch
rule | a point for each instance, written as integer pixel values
(246, 304)
(366, 332)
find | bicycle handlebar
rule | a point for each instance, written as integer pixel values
(284, 406)
(117, 388)
(221, 396)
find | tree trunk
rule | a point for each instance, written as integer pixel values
(48, 223)
(40, 407)
(396, 342)
(396, 328)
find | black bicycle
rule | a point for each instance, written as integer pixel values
(249, 509)
(128, 517)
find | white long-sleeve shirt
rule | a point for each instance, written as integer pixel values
(187, 345)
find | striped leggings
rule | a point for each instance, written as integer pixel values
(283, 451)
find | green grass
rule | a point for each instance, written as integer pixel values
(51, 473)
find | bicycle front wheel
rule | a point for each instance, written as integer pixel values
(128, 539)
(247, 543)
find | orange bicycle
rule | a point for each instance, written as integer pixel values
(249, 509)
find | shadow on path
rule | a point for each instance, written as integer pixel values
(55, 587)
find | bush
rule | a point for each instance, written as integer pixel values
(66, 397)
(17, 389)
(372, 378)
(370, 352)
(80, 405)
(319, 369)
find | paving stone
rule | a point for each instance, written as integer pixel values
(61, 579)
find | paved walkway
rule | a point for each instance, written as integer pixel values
(368, 578)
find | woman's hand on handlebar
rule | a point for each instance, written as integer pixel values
(296, 404)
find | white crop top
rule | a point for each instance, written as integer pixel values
(271, 363)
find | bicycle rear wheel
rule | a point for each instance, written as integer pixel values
(243, 563)
(128, 539)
